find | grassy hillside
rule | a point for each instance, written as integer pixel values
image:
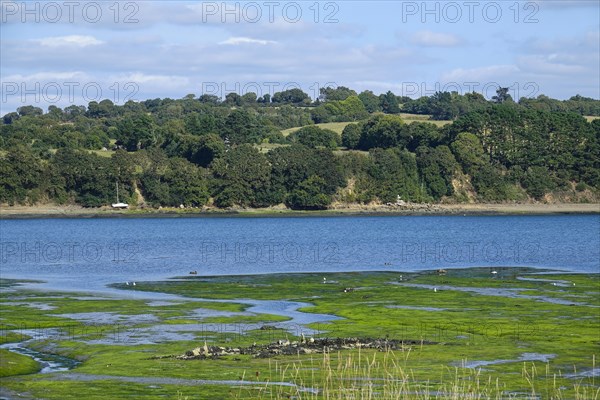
(338, 127)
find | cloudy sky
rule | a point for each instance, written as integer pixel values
(74, 52)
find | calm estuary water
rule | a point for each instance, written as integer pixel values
(86, 254)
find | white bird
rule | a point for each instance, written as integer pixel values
(435, 289)
(494, 272)
(133, 283)
(324, 280)
(127, 283)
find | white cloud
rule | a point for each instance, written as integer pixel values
(435, 39)
(70, 40)
(490, 73)
(46, 76)
(552, 64)
(151, 82)
(246, 40)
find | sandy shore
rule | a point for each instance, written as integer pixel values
(525, 208)
(49, 211)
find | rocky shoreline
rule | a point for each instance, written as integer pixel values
(303, 346)
(23, 212)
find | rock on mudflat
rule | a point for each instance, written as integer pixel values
(310, 346)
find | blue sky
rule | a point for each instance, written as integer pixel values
(67, 53)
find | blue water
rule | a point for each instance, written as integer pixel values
(89, 253)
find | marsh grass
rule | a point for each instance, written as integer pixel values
(386, 375)
(16, 364)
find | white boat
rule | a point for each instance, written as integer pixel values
(118, 204)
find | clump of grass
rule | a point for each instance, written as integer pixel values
(385, 376)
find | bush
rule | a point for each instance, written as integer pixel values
(351, 136)
(313, 136)
(537, 182)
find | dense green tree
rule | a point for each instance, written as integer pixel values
(294, 164)
(209, 98)
(20, 172)
(104, 109)
(538, 181)
(351, 136)
(184, 185)
(241, 126)
(437, 167)
(88, 178)
(249, 98)
(418, 134)
(383, 131)
(468, 151)
(587, 153)
(29, 111)
(502, 96)
(313, 136)
(240, 174)
(489, 183)
(202, 124)
(201, 150)
(9, 118)
(233, 99)
(321, 114)
(291, 96)
(388, 103)
(264, 99)
(136, 131)
(309, 195)
(352, 109)
(392, 173)
(338, 93)
(370, 101)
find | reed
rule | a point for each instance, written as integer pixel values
(386, 376)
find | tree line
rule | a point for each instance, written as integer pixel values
(231, 152)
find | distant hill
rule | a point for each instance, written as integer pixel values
(350, 149)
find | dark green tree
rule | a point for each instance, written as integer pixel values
(351, 136)
(309, 195)
(388, 103)
(240, 174)
(241, 126)
(338, 93)
(370, 101)
(291, 96)
(136, 131)
(313, 136)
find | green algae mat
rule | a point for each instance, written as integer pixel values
(477, 333)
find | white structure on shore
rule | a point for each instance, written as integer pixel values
(118, 204)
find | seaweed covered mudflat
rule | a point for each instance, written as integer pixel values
(457, 333)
